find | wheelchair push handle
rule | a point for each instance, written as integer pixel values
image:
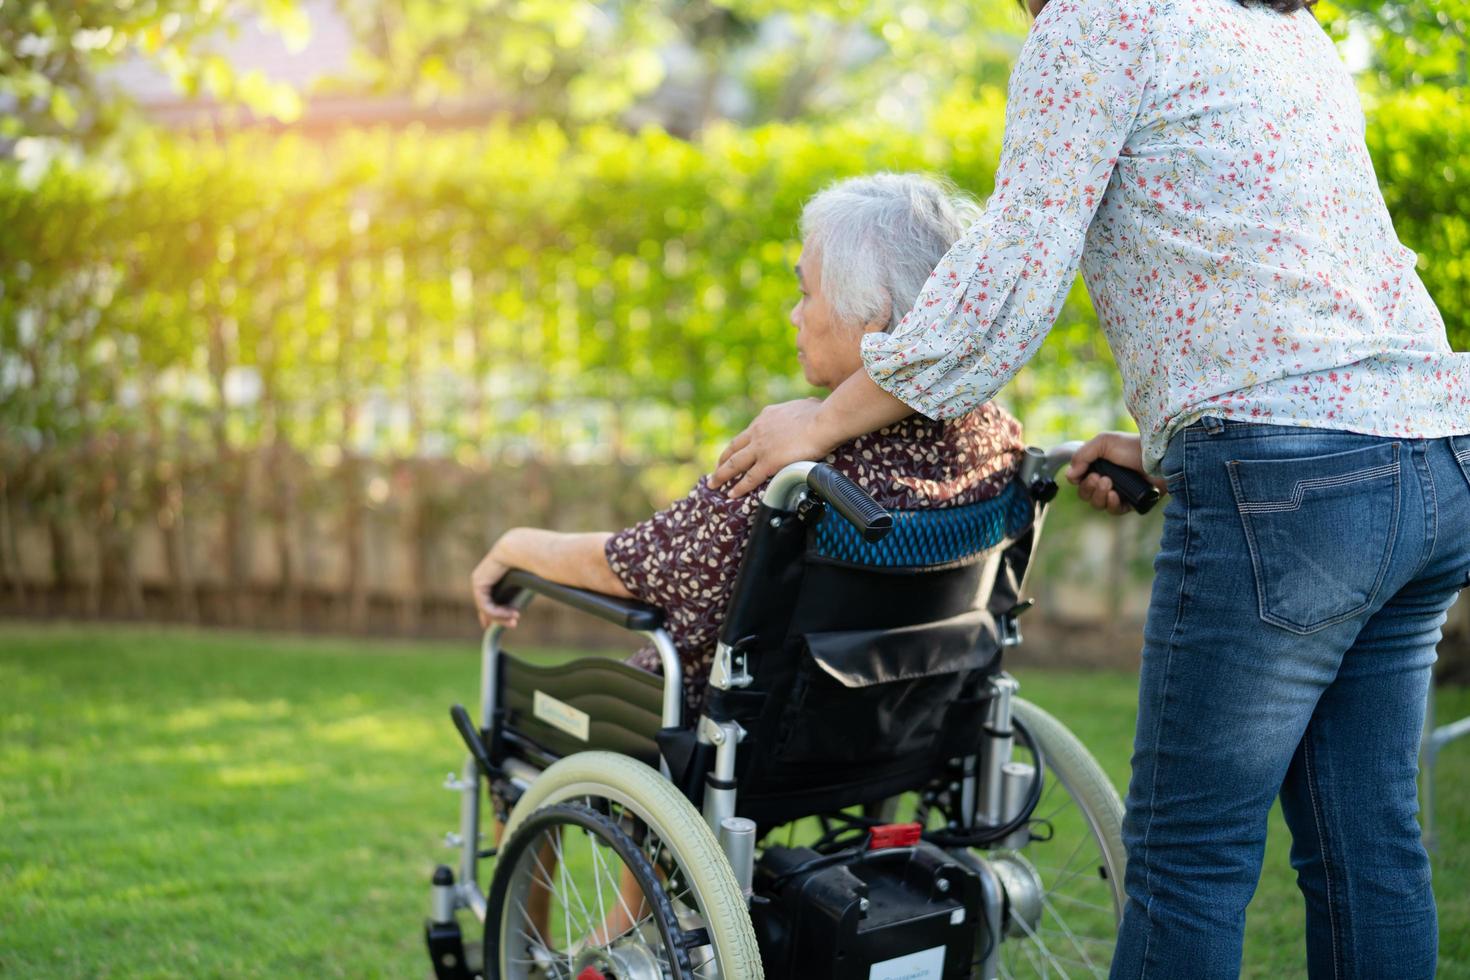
(1132, 486)
(851, 501)
(1041, 467)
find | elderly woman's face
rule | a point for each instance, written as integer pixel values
(829, 350)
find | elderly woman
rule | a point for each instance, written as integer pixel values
(868, 246)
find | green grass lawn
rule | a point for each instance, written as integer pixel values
(178, 803)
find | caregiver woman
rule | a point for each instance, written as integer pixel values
(1204, 162)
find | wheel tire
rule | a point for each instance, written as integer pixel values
(655, 801)
(1062, 921)
(1069, 761)
(513, 875)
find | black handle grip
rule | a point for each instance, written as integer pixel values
(851, 501)
(627, 613)
(472, 740)
(1132, 486)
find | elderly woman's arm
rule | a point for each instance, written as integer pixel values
(578, 560)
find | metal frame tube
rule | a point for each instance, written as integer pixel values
(737, 837)
(668, 658)
(1037, 463)
(997, 750)
(786, 485)
(1434, 739)
(724, 736)
(1016, 780)
(469, 808)
(994, 903)
(467, 889)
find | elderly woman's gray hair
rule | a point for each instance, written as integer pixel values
(879, 237)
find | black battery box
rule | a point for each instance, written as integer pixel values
(900, 913)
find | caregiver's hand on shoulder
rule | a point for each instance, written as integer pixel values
(1122, 448)
(780, 434)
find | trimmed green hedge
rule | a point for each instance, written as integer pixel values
(511, 290)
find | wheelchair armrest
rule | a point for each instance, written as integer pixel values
(630, 614)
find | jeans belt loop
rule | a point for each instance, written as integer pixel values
(1213, 426)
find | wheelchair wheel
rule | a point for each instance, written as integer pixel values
(1065, 888)
(561, 899)
(694, 906)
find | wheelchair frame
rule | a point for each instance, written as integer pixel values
(989, 795)
(467, 892)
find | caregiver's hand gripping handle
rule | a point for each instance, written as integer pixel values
(1108, 473)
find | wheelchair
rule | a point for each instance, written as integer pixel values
(864, 795)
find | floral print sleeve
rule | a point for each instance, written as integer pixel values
(1073, 97)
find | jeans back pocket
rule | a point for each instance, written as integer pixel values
(1321, 532)
(1460, 446)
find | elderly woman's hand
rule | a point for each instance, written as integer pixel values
(1122, 448)
(482, 581)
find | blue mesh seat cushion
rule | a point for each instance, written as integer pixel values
(926, 539)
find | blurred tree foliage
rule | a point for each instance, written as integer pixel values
(51, 56)
(202, 310)
(572, 61)
(561, 59)
(576, 60)
(1420, 141)
(1410, 42)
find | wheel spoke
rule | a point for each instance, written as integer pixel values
(1071, 936)
(597, 875)
(1061, 807)
(565, 905)
(1074, 900)
(536, 936)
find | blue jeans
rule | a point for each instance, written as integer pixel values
(1300, 587)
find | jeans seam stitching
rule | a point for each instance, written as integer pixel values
(1250, 542)
(1393, 529)
(1431, 516)
(1317, 818)
(1148, 869)
(1299, 491)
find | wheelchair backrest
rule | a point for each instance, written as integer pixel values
(868, 661)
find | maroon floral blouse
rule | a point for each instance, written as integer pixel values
(684, 558)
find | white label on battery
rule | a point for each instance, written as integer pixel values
(926, 964)
(559, 714)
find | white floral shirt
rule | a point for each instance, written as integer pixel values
(1205, 164)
